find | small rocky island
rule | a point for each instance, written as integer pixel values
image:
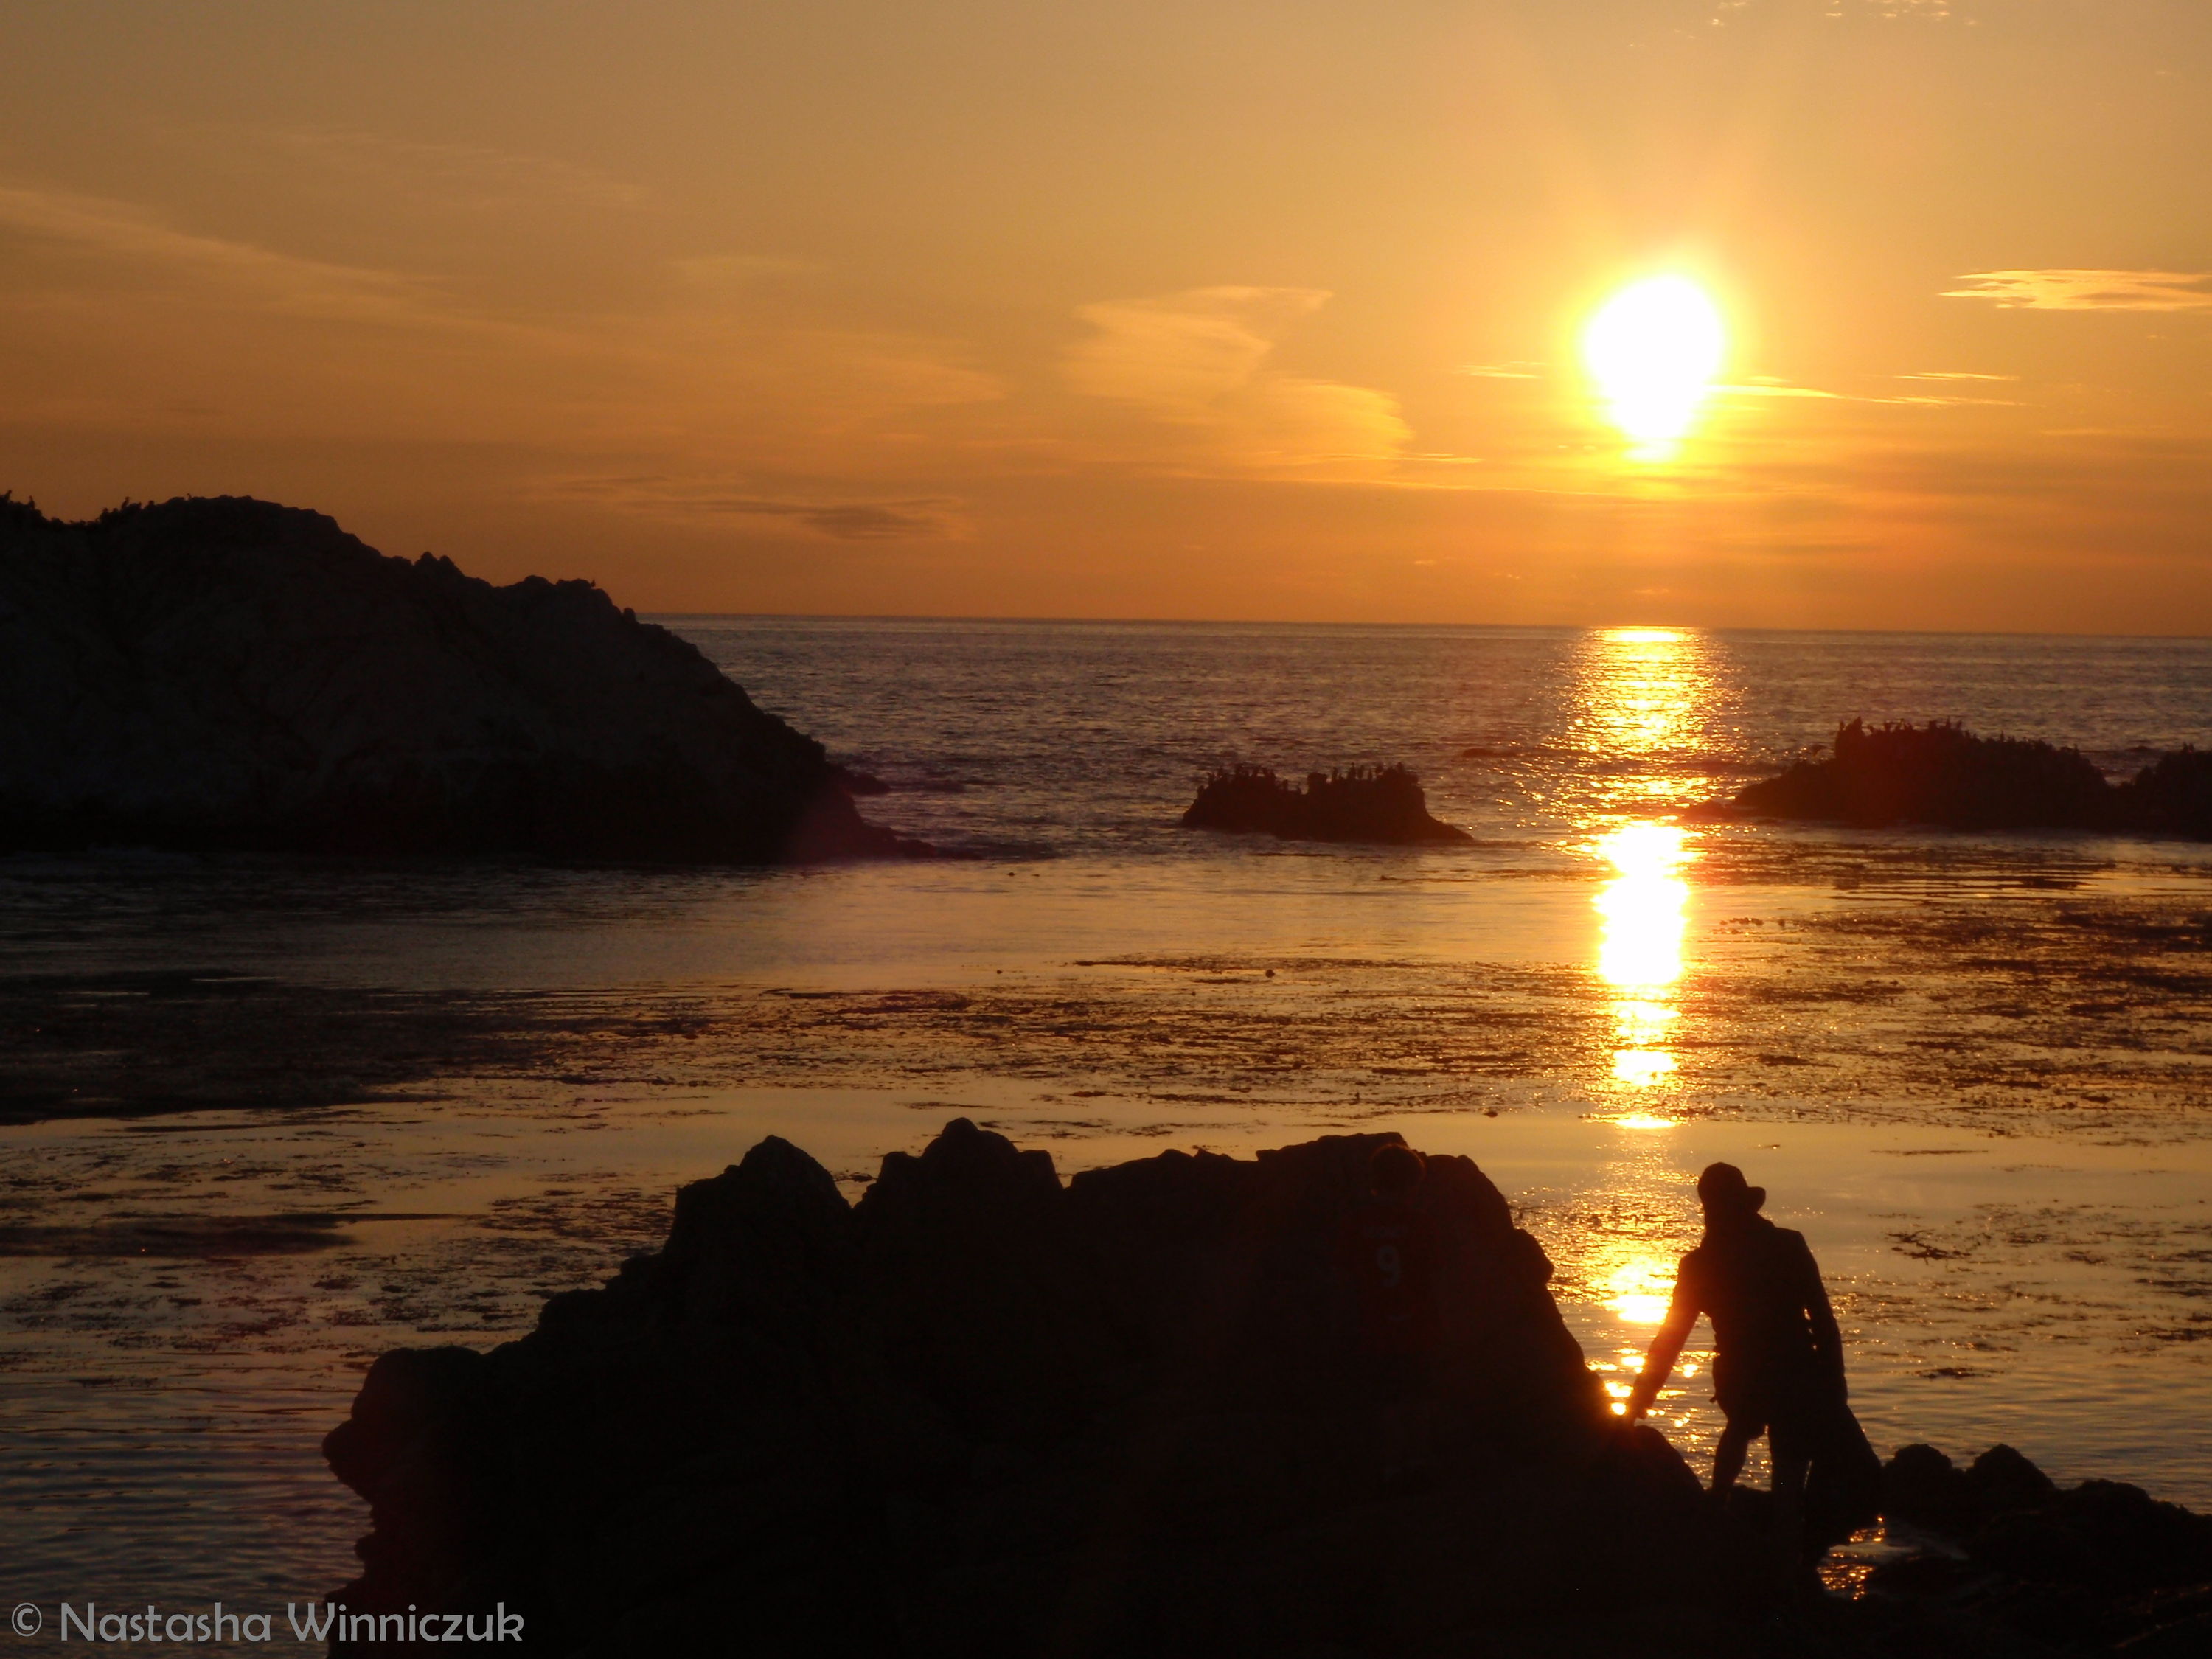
(1382, 804)
(1943, 774)
(214, 674)
(984, 1412)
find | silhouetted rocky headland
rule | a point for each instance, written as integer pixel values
(1942, 774)
(1364, 803)
(230, 673)
(983, 1413)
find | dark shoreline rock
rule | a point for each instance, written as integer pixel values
(982, 1412)
(1942, 774)
(229, 674)
(989, 1414)
(2098, 1567)
(1382, 804)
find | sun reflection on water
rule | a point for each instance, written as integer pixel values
(1652, 704)
(1640, 1284)
(1643, 913)
(1649, 697)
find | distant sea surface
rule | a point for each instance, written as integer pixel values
(1085, 738)
(401, 1104)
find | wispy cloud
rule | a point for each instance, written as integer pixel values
(309, 288)
(841, 521)
(1955, 374)
(473, 176)
(2090, 290)
(1770, 386)
(1725, 12)
(1197, 360)
(712, 270)
(1512, 371)
(1767, 386)
(713, 364)
(1177, 353)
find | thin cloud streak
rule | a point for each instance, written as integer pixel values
(1197, 359)
(471, 177)
(913, 518)
(2089, 290)
(1777, 389)
(709, 366)
(309, 288)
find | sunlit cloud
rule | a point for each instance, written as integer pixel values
(1728, 11)
(1197, 360)
(1765, 386)
(2089, 290)
(1513, 371)
(1177, 353)
(1955, 374)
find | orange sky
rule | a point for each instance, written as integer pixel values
(1139, 307)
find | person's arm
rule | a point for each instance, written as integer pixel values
(1827, 1340)
(1666, 1349)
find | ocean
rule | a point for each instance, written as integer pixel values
(275, 1116)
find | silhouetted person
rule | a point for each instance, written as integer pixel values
(1778, 1356)
(1388, 1251)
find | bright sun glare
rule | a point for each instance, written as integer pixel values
(1653, 348)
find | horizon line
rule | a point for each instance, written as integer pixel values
(1238, 622)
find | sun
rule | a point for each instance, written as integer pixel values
(1653, 348)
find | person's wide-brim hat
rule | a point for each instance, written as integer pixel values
(1721, 1186)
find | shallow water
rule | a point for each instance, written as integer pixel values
(272, 1118)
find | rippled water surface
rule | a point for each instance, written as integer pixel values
(268, 1118)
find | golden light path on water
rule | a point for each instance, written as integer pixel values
(1647, 697)
(1646, 693)
(1644, 912)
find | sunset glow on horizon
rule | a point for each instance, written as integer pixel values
(1156, 312)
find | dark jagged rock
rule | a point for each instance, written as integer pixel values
(1938, 774)
(233, 674)
(1942, 774)
(854, 782)
(2027, 1567)
(982, 1412)
(1363, 803)
(2173, 796)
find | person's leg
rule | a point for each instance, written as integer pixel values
(1791, 1450)
(1728, 1456)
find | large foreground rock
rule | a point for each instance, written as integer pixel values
(231, 673)
(983, 1413)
